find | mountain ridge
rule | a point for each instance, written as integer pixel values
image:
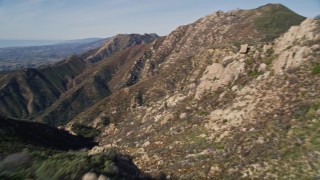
(165, 115)
(240, 104)
(55, 80)
(190, 104)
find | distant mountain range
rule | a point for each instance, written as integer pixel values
(48, 84)
(5, 43)
(24, 43)
(12, 58)
(232, 95)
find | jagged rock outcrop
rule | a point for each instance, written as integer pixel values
(295, 46)
(221, 74)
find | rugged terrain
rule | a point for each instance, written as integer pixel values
(70, 86)
(189, 105)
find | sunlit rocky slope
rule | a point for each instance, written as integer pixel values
(189, 104)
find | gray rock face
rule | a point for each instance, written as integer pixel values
(293, 48)
(217, 76)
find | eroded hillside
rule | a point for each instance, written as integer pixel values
(70, 86)
(209, 111)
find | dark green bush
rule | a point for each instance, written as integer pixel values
(254, 73)
(316, 69)
(61, 165)
(85, 131)
(270, 51)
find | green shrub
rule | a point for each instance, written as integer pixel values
(308, 110)
(62, 165)
(316, 69)
(276, 20)
(270, 51)
(85, 131)
(254, 73)
(249, 62)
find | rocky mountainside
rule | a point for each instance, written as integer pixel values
(197, 108)
(119, 43)
(189, 104)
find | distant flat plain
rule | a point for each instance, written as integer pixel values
(18, 54)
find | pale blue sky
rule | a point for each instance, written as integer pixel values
(74, 19)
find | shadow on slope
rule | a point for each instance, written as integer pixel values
(16, 135)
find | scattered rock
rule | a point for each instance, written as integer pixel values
(90, 176)
(244, 49)
(234, 88)
(183, 115)
(214, 170)
(111, 129)
(96, 150)
(262, 67)
(102, 177)
(146, 144)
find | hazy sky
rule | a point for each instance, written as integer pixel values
(74, 19)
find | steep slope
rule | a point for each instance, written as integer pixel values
(25, 93)
(68, 87)
(17, 135)
(172, 59)
(216, 30)
(93, 85)
(197, 108)
(118, 43)
(190, 105)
